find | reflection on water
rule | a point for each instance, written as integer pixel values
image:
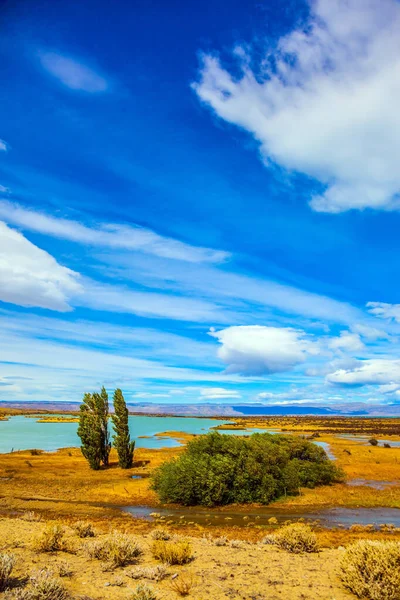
(377, 485)
(329, 518)
(365, 438)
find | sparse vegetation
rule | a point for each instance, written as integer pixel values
(84, 529)
(172, 553)
(122, 441)
(371, 569)
(157, 573)
(51, 539)
(296, 538)
(7, 562)
(160, 534)
(222, 469)
(116, 550)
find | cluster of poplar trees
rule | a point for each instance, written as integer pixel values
(94, 433)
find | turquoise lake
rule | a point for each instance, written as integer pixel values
(21, 433)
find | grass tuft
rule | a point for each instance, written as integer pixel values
(160, 534)
(144, 592)
(182, 584)
(116, 549)
(50, 540)
(84, 529)
(7, 562)
(172, 553)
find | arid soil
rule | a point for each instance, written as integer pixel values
(252, 571)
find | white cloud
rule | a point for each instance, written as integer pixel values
(384, 310)
(258, 350)
(370, 333)
(368, 372)
(30, 276)
(324, 101)
(148, 395)
(109, 235)
(3, 146)
(218, 393)
(71, 73)
(348, 342)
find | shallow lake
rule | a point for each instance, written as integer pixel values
(329, 518)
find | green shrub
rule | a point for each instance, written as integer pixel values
(7, 562)
(172, 553)
(371, 569)
(220, 469)
(296, 538)
(116, 549)
(144, 592)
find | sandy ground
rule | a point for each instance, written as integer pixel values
(251, 572)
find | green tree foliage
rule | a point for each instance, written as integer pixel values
(89, 431)
(222, 469)
(93, 429)
(122, 440)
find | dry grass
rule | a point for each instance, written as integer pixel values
(371, 569)
(183, 584)
(64, 569)
(7, 562)
(84, 529)
(172, 553)
(116, 550)
(51, 539)
(296, 538)
(157, 573)
(160, 534)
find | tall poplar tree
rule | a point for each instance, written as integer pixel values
(122, 440)
(93, 428)
(90, 432)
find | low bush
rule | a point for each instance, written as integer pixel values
(64, 569)
(7, 562)
(221, 541)
(84, 529)
(296, 538)
(157, 573)
(371, 569)
(44, 586)
(373, 442)
(51, 539)
(160, 534)
(116, 549)
(144, 592)
(172, 553)
(220, 469)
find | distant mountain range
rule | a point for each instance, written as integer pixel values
(225, 410)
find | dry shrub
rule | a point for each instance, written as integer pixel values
(160, 534)
(116, 549)
(144, 592)
(44, 586)
(183, 584)
(30, 516)
(269, 539)
(237, 544)
(84, 529)
(157, 573)
(296, 538)
(51, 539)
(371, 569)
(221, 541)
(172, 553)
(64, 569)
(7, 562)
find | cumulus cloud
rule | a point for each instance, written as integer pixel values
(323, 102)
(108, 235)
(217, 393)
(30, 276)
(258, 350)
(348, 342)
(368, 372)
(72, 74)
(385, 310)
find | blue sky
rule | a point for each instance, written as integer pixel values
(200, 202)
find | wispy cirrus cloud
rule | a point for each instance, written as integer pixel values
(3, 146)
(108, 235)
(323, 102)
(73, 74)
